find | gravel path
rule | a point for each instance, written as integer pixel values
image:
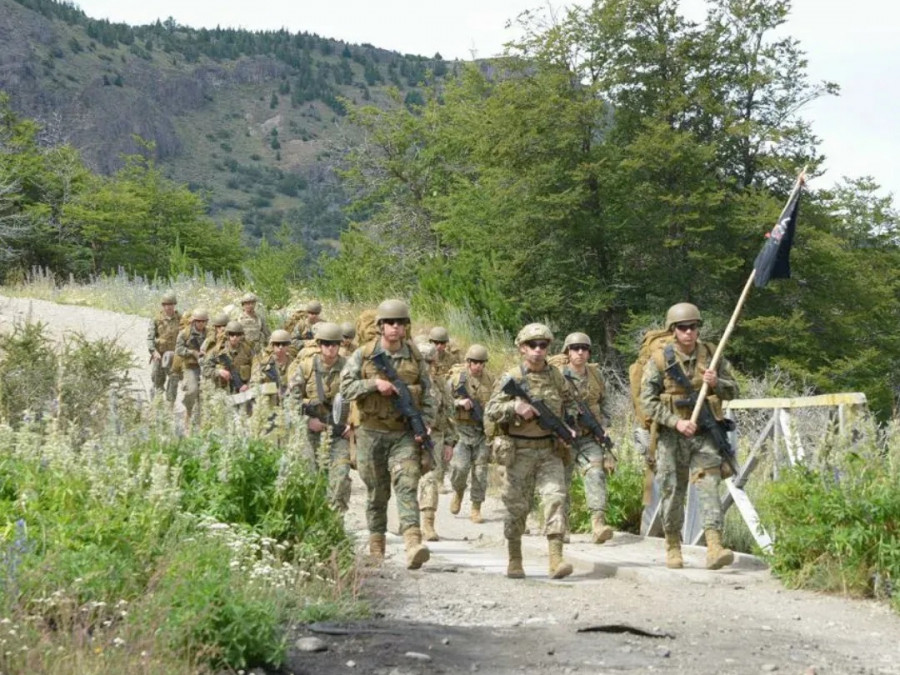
(459, 613)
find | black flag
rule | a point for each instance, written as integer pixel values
(773, 261)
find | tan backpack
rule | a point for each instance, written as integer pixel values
(651, 340)
(366, 328)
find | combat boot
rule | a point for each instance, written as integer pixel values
(514, 569)
(599, 529)
(428, 532)
(456, 503)
(376, 548)
(475, 514)
(416, 553)
(674, 561)
(559, 568)
(717, 556)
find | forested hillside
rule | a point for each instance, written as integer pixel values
(618, 160)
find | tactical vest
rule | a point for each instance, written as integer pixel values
(242, 361)
(589, 388)
(547, 384)
(166, 332)
(377, 411)
(443, 403)
(252, 329)
(443, 362)
(673, 392)
(190, 361)
(320, 382)
(477, 388)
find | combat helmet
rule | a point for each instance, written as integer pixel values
(439, 334)
(328, 332)
(169, 298)
(249, 297)
(534, 331)
(235, 327)
(314, 307)
(348, 330)
(200, 314)
(279, 335)
(577, 339)
(392, 309)
(427, 350)
(220, 320)
(683, 311)
(477, 353)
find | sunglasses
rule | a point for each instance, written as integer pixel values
(686, 326)
(438, 342)
(475, 361)
(235, 334)
(579, 348)
(168, 304)
(330, 343)
(537, 344)
(395, 322)
(280, 344)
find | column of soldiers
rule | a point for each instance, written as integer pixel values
(413, 410)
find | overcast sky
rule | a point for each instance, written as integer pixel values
(856, 44)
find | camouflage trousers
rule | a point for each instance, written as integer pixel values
(164, 380)
(190, 385)
(470, 455)
(430, 483)
(536, 467)
(338, 465)
(387, 459)
(680, 460)
(587, 455)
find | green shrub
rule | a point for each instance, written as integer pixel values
(27, 372)
(624, 492)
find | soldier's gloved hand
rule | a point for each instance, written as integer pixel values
(686, 428)
(315, 425)
(711, 378)
(525, 411)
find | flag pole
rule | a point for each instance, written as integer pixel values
(717, 356)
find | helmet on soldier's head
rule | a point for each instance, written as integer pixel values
(279, 335)
(248, 297)
(314, 307)
(328, 332)
(348, 330)
(200, 314)
(220, 320)
(428, 351)
(477, 353)
(576, 339)
(392, 309)
(169, 298)
(534, 331)
(683, 311)
(439, 334)
(234, 327)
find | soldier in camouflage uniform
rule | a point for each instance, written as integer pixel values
(215, 338)
(315, 383)
(470, 383)
(387, 452)
(302, 334)
(683, 451)
(189, 348)
(348, 343)
(587, 453)
(231, 365)
(161, 336)
(273, 365)
(446, 358)
(256, 330)
(532, 455)
(443, 435)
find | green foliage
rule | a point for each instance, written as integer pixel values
(623, 508)
(28, 372)
(836, 525)
(272, 269)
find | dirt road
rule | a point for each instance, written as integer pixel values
(621, 611)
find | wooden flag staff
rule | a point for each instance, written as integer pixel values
(704, 390)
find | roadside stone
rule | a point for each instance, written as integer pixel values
(311, 644)
(351, 664)
(445, 641)
(769, 667)
(417, 656)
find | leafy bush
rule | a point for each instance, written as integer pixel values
(624, 492)
(28, 369)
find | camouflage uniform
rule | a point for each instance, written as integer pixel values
(679, 458)
(161, 336)
(471, 454)
(443, 433)
(241, 358)
(267, 369)
(256, 331)
(314, 386)
(387, 453)
(536, 464)
(188, 347)
(587, 453)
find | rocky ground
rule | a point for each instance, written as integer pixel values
(621, 611)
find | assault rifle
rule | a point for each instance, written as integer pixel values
(477, 411)
(587, 419)
(546, 418)
(236, 381)
(339, 411)
(403, 401)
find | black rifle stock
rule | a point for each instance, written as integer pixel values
(236, 381)
(546, 418)
(403, 401)
(717, 430)
(592, 424)
(477, 411)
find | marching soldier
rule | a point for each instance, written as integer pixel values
(231, 365)
(446, 358)
(348, 342)
(161, 337)
(256, 330)
(685, 452)
(273, 365)
(189, 349)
